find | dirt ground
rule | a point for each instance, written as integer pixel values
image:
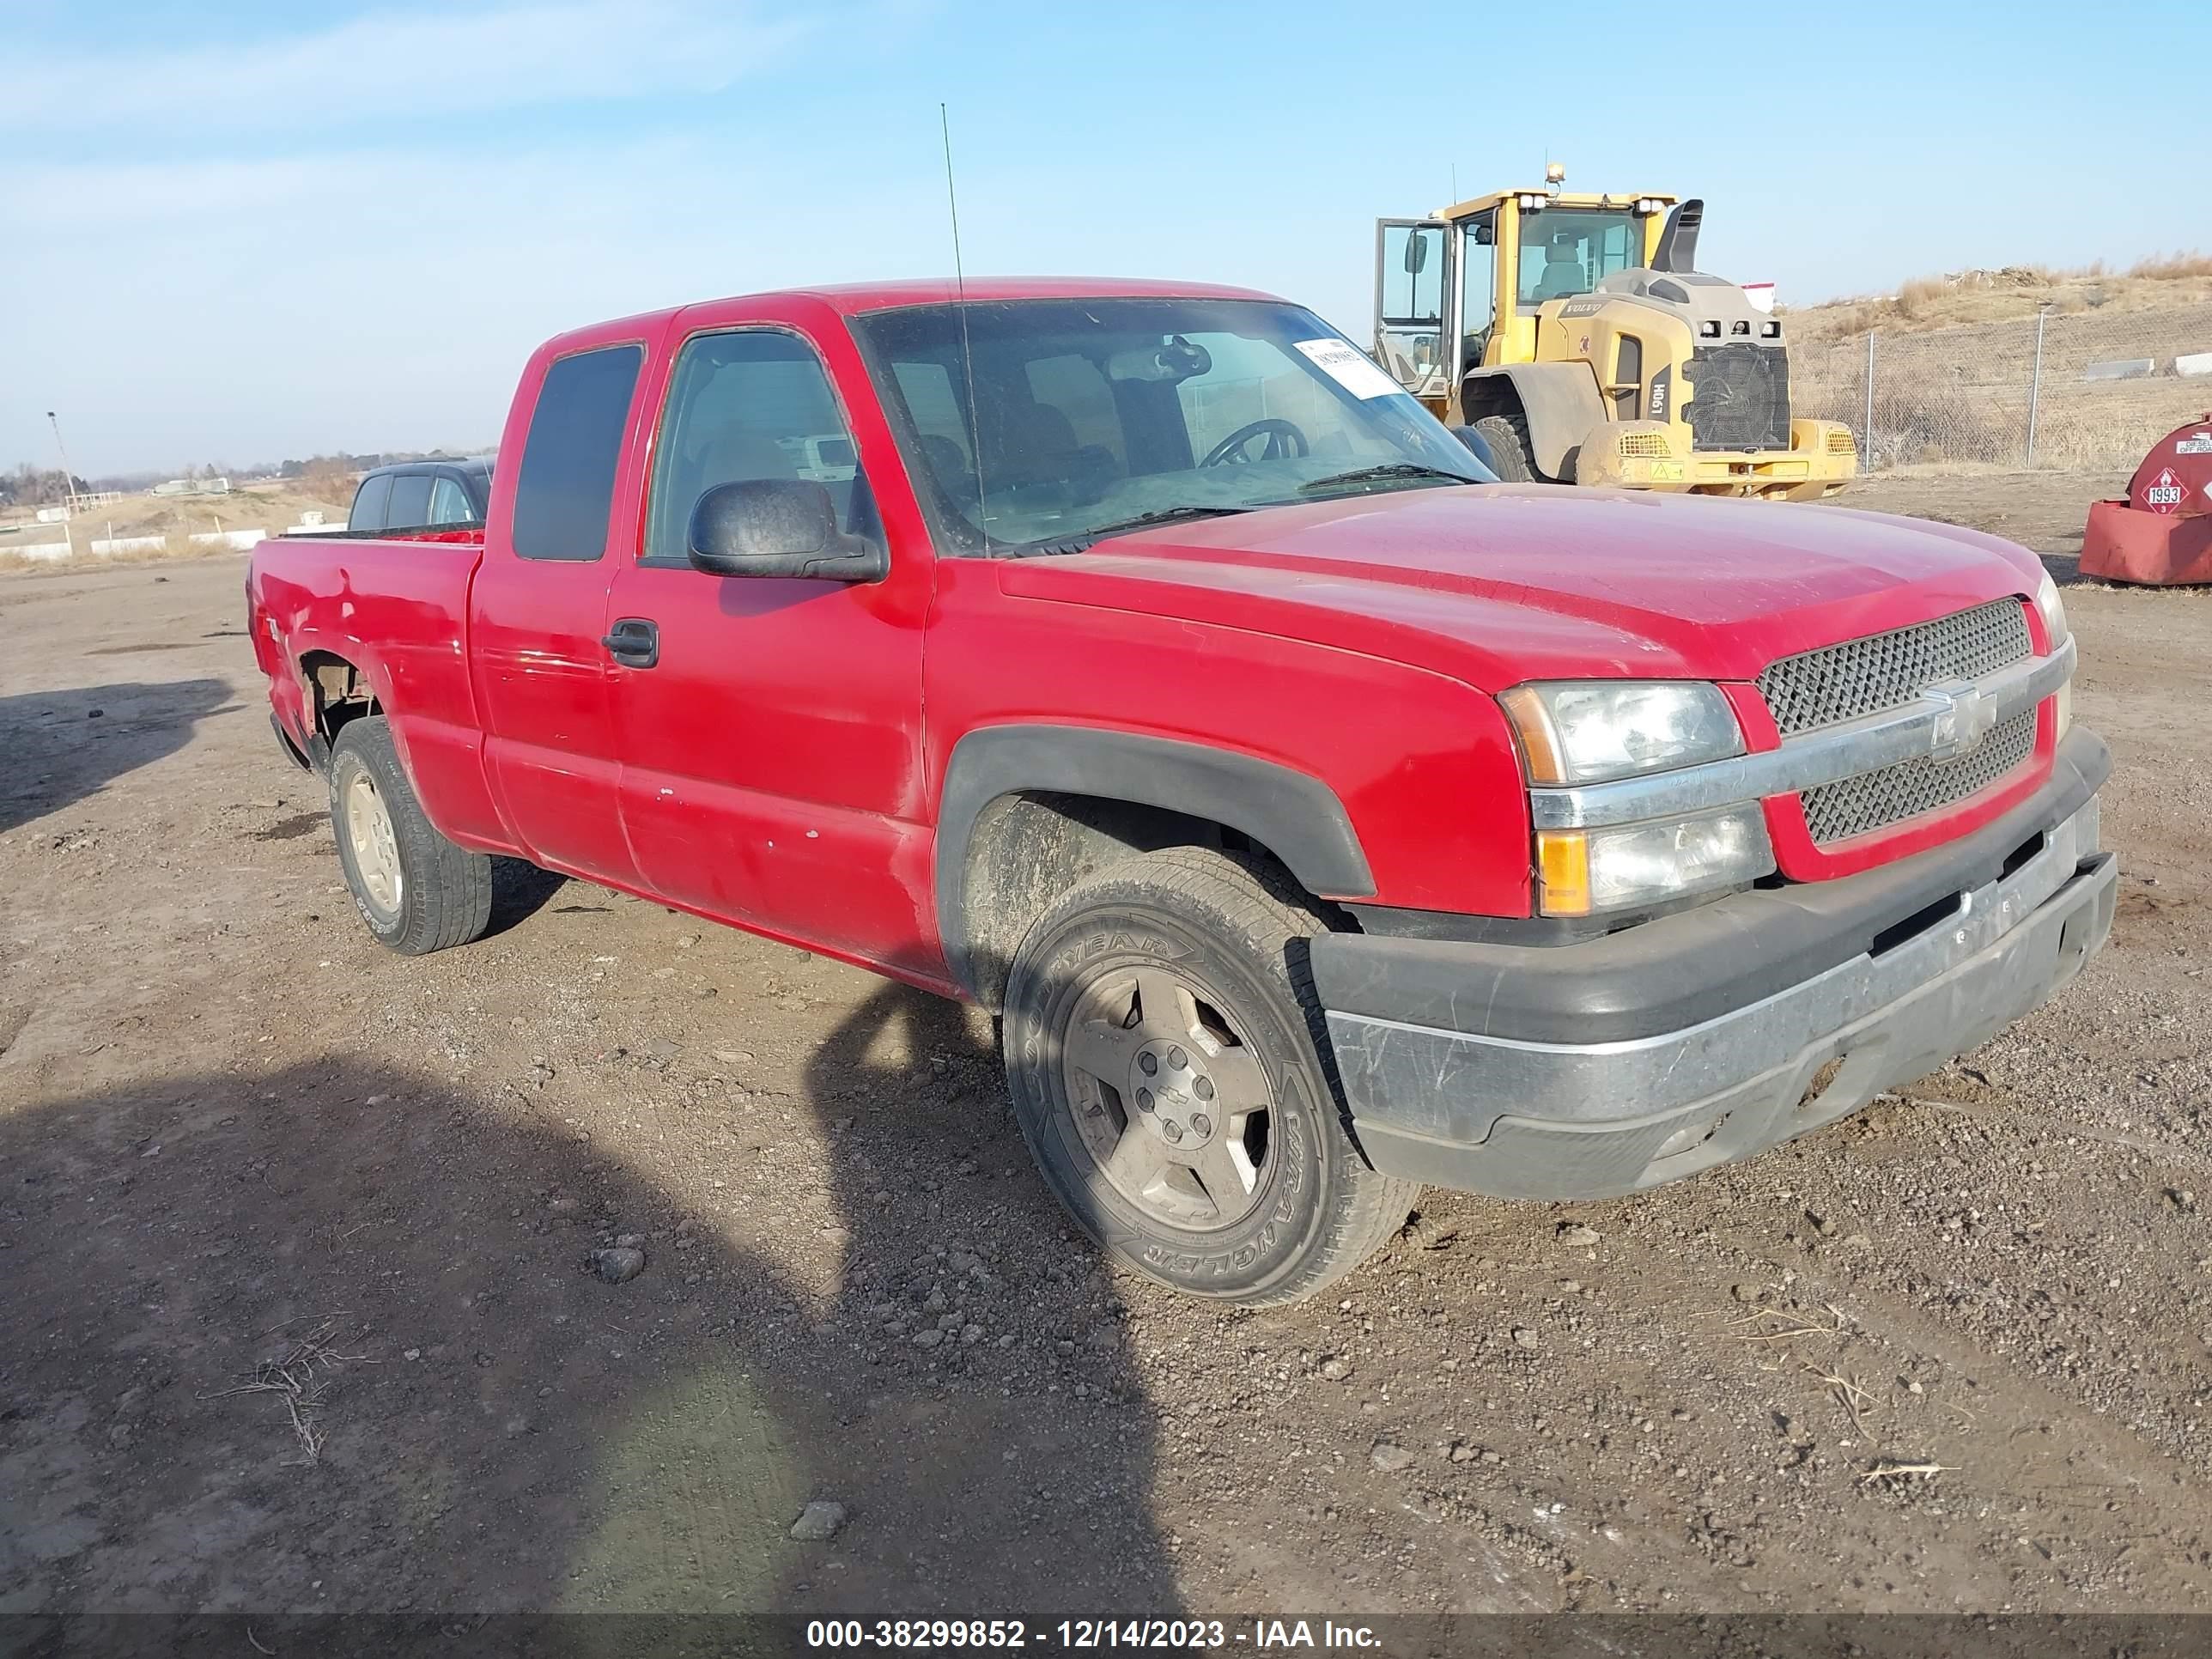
(293, 1314)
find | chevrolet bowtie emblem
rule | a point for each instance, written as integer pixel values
(1964, 715)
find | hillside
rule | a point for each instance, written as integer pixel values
(2010, 294)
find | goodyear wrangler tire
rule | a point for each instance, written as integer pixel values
(1161, 1037)
(418, 891)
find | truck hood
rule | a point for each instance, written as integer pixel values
(1500, 583)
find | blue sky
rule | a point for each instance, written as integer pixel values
(245, 231)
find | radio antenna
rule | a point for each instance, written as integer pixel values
(967, 346)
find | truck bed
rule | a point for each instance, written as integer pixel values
(394, 607)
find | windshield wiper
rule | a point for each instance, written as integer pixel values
(1158, 515)
(1385, 469)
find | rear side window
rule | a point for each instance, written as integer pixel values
(449, 503)
(368, 503)
(566, 488)
(411, 501)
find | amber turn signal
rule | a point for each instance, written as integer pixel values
(1563, 867)
(1531, 724)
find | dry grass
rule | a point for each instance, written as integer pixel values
(268, 506)
(2009, 292)
(1959, 395)
(1892, 1471)
(2172, 267)
(1917, 297)
(300, 1376)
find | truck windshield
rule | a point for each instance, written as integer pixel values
(1088, 414)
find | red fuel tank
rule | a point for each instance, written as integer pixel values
(2162, 532)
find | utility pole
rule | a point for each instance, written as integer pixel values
(69, 478)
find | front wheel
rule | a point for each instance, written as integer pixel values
(416, 891)
(1162, 1051)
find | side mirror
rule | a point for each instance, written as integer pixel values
(779, 527)
(1417, 253)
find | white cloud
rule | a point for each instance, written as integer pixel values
(385, 298)
(391, 63)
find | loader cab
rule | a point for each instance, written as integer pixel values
(1462, 289)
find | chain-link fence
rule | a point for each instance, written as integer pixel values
(2085, 390)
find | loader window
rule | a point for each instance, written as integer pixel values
(1478, 290)
(1409, 301)
(1569, 251)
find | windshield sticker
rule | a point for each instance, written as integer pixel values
(1343, 364)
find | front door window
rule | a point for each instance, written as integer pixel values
(751, 404)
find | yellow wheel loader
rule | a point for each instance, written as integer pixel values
(1576, 334)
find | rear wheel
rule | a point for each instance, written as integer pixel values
(418, 891)
(1161, 1039)
(1508, 438)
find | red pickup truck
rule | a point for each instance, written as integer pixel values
(1138, 660)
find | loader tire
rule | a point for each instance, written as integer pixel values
(1508, 438)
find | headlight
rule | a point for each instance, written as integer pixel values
(2054, 613)
(1588, 730)
(1583, 871)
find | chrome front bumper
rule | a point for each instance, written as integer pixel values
(1544, 1119)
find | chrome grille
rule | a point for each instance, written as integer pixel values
(1887, 671)
(1874, 800)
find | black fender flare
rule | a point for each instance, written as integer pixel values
(1293, 814)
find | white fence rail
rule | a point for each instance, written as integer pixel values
(108, 547)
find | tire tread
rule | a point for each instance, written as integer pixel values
(1508, 438)
(446, 899)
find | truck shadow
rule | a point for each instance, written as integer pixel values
(63, 746)
(326, 1339)
(519, 889)
(953, 1232)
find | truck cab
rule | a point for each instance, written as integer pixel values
(427, 495)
